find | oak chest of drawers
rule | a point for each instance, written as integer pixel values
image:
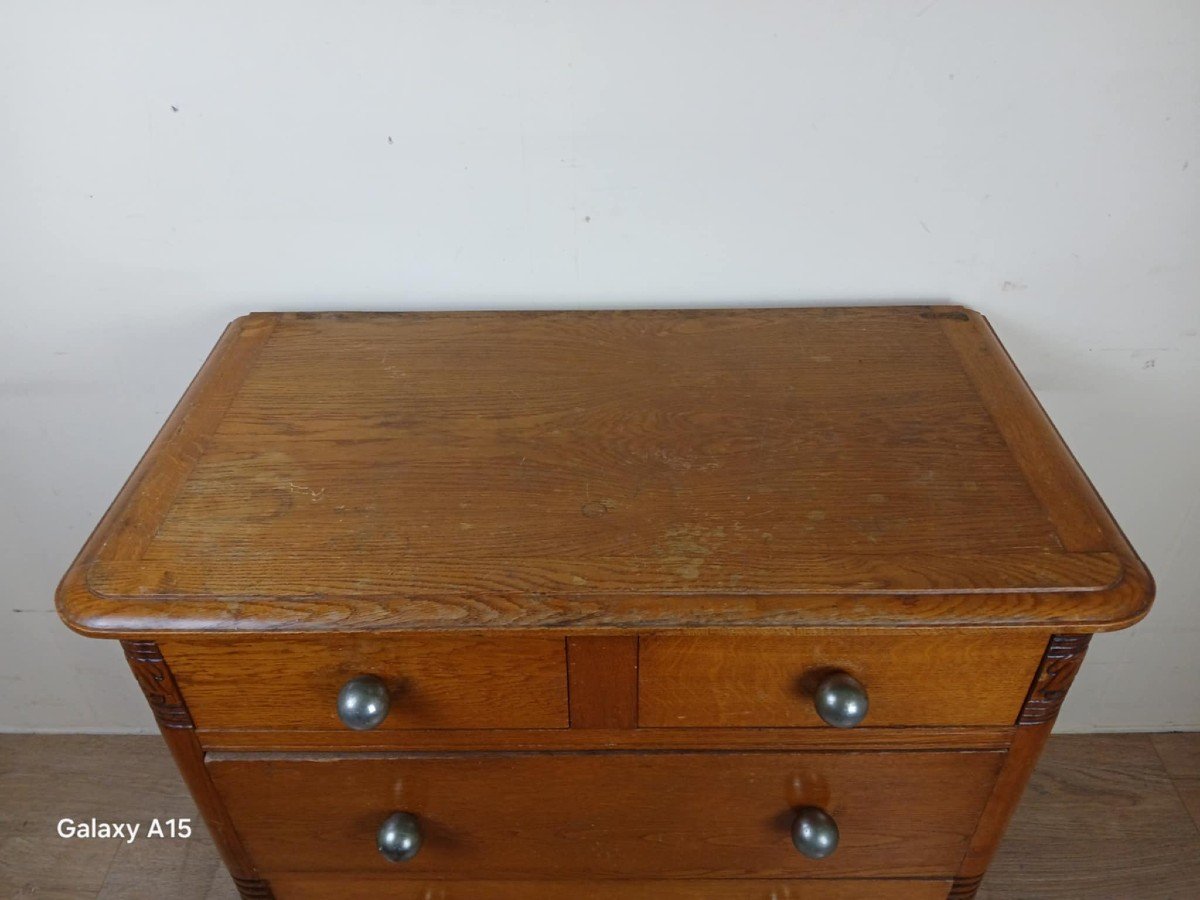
(724, 604)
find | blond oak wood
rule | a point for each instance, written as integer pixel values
(602, 471)
(912, 678)
(435, 681)
(595, 816)
(313, 887)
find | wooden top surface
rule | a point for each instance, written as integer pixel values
(656, 469)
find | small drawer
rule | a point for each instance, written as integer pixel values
(606, 815)
(399, 682)
(951, 678)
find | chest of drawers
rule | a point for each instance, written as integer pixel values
(724, 604)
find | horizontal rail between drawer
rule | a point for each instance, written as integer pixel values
(573, 740)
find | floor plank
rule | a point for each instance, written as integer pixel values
(114, 778)
(1180, 754)
(1101, 820)
(1106, 817)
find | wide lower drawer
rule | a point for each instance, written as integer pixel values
(608, 815)
(431, 681)
(343, 887)
(945, 678)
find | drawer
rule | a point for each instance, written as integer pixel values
(293, 682)
(951, 678)
(341, 887)
(607, 815)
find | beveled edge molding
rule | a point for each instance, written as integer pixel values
(253, 889)
(157, 683)
(964, 888)
(1064, 656)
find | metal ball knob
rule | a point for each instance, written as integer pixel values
(814, 832)
(399, 837)
(841, 700)
(363, 703)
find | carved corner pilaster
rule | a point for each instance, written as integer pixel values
(1064, 656)
(157, 683)
(964, 888)
(253, 889)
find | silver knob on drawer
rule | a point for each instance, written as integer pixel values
(363, 703)
(399, 837)
(814, 832)
(841, 700)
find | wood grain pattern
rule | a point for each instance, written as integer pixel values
(1081, 518)
(436, 681)
(912, 677)
(606, 470)
(1054, 478)
(603, 681)
(315, 887)
(187, 436)
(595, 816)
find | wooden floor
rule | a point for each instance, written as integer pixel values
(1106, 816)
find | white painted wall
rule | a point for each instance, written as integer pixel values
(165, 167)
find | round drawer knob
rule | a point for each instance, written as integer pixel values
(399, 837)
(841, 700)
(814, 832)
(363, 703)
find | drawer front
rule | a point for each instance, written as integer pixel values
(955, 678)
(608, 815)
(293, 683)
(316, 887)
